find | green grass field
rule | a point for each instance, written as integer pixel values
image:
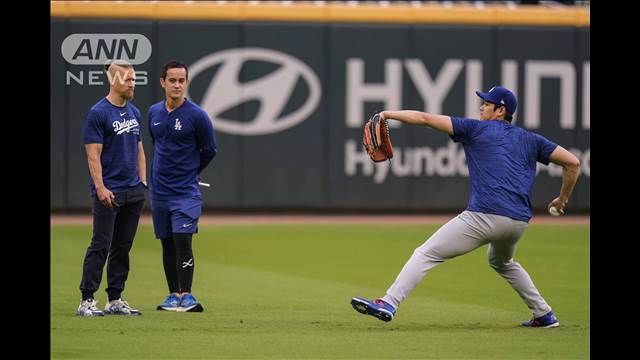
(283, 291)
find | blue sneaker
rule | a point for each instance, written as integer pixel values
(190, 304)
(378, 308)
(171, 303)
(547, 321)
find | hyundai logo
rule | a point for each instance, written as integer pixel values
(273, 90)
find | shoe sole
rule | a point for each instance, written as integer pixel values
(92, 315)
(550, 326)
(556, 324)
(168, 308)
(195, 308)
(123, 314)
(364, 308)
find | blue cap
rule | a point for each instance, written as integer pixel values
(501, 96)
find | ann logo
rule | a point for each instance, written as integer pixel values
(97, 49)
(102, 49)
(178, 126)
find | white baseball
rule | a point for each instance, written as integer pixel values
(553, 211)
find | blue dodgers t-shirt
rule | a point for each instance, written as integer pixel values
(118, 130)
(502, 165)
(184, 144)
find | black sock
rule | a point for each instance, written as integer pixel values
(184, 256)
(112, 297)
(87, 295)
(169, 263)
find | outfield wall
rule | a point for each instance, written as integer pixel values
(288, 99)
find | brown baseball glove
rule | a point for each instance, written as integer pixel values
(376, 139)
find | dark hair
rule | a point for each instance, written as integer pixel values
(173, 64)
(508, 117)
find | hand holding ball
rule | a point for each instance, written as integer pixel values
(553, 211)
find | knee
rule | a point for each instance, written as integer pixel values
(121, 247)
(500, 264)
(420, 251)
(182, 242)
(99, 243)
(96, 248)
(427, 253)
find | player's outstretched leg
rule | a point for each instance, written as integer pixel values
(549, 320)
(377, 308)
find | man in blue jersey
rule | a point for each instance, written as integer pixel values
(185, 143)
(116, 160)
(502, 162)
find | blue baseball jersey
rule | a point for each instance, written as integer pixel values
(118, 130)
(185, 143)
(502, 165)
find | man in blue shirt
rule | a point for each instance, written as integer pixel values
(118, 186)
(184, 141)
(502, 166)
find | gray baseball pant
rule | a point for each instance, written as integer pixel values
(462, 234)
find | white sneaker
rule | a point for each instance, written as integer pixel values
(120, 307)
(89, 308)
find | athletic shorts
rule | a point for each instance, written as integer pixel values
(175, 216)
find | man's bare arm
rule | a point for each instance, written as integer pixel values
(570, 172)
(438, 122)
(142, 164)
(95, 169)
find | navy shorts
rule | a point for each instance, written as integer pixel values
(175, 216)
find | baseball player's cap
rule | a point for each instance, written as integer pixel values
(501, 96)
